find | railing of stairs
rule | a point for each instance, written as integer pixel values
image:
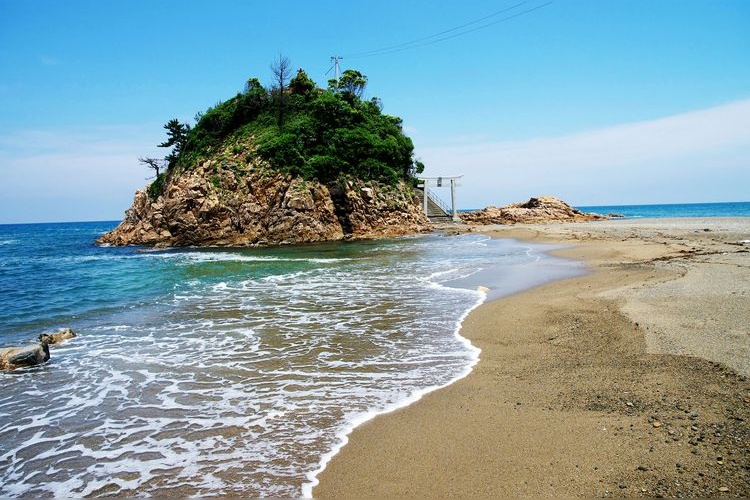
(440, 203)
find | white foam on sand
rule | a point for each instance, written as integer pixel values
(503, 280)
(343, 435)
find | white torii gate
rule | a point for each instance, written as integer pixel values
(440, 182)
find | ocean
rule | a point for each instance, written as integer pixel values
(735, 209)
(205, 372)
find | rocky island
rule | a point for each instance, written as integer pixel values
(285, 165)
(535, 210)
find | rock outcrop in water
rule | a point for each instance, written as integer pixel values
(536, 210)
(222, 205)
(20, 357)
(59, 336)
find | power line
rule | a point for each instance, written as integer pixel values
(416, 43)
(391, 47)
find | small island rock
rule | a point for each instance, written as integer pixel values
(536, 210)
(325, 165)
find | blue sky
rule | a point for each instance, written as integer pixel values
(594, 101)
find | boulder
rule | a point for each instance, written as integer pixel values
(57, 337)
(19, 357)
(536, 210)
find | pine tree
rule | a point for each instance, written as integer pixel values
(176, 138)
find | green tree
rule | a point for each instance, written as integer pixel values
(177, 134)
(352, 82)
(253, 86)
(297, 128)
(301, 84)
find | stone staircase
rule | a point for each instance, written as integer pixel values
(436, 213)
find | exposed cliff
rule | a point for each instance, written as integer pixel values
(231, 205)
(542, 209)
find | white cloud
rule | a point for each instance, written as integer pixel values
(698, 156)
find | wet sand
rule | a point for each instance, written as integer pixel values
(629, 381)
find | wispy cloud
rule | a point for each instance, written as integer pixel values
(91, 173)
(695, 156)
(81, 174)
(80, 140)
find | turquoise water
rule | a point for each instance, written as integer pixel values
(736, 209)
(227, 371)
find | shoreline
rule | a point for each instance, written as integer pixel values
(488, 294)
(572, 395)
(344, 435)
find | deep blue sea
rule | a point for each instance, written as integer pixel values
(204, 372)
(735, 209)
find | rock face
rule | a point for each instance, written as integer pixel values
(220, 204)
(536, 210)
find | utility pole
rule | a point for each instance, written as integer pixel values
(453, 201)
(335, 60)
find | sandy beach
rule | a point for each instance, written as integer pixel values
(628, 381)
